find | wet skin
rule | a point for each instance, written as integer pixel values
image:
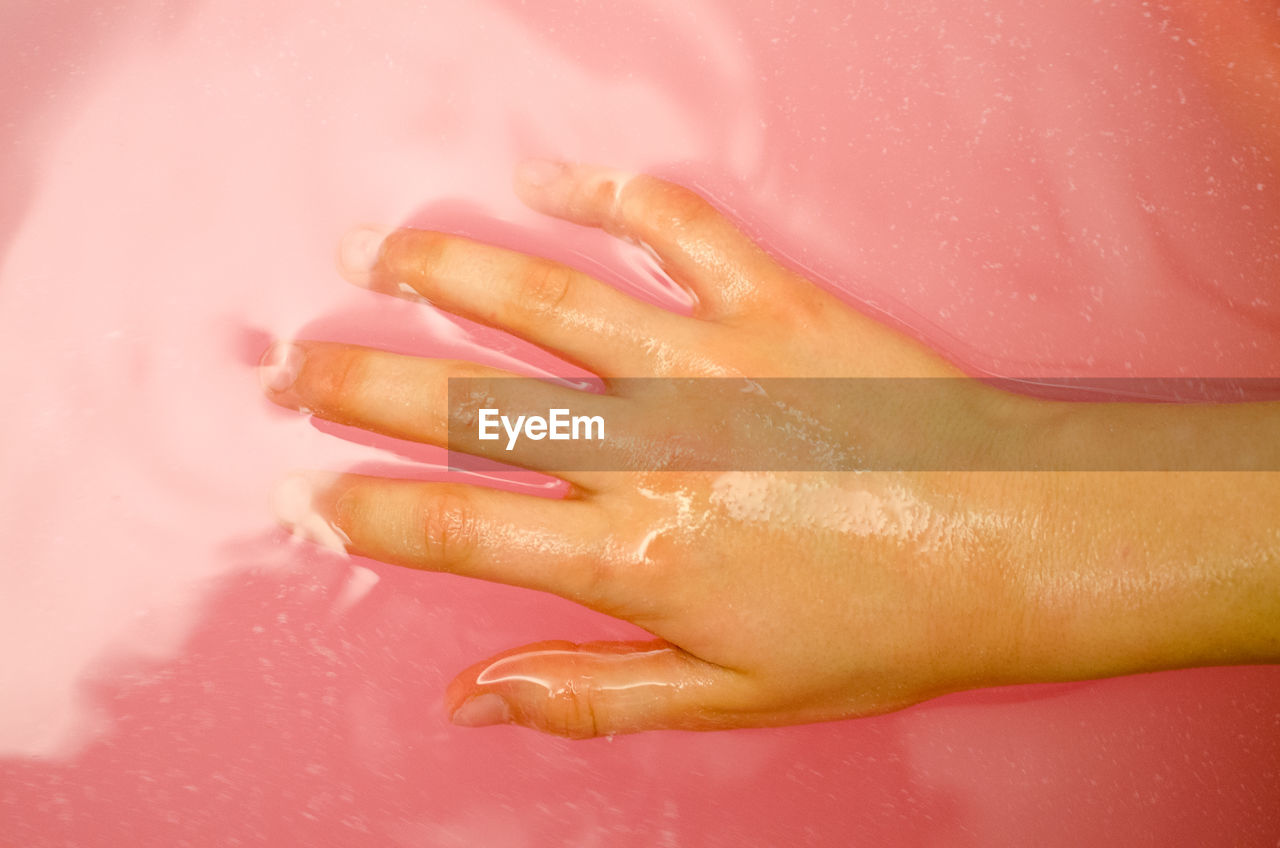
(785, 597)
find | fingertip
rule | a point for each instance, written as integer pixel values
(482, 710)
(589, 195)
(359, 252)
(279, 366)
(539, 184)
(296, 502)
(468, 703)
(462, 687)
(539, 173)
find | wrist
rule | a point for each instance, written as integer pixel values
(1112, 571)
(1135, 570)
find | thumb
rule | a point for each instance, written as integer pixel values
(596, 689)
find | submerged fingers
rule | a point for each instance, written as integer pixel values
(571, 313)
(545, 302)
(408, 397)
(557, 546)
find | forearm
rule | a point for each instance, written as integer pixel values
(1144, 570)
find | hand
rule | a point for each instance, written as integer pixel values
(777, 597)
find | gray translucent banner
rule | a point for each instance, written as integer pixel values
(865, 424)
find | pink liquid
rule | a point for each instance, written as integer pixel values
(1035, 193)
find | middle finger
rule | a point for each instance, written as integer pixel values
(550, 304)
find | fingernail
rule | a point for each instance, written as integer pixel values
(482, 711)
(539, 172)
(360, 248)
(294, 503)
(280, 366)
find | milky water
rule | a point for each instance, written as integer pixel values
(1036, 193)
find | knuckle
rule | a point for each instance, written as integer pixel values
(676, 207)
(777, 301)
(449, 532)
(802, 308)
(597, 582)
(545, 287)
(572, 710)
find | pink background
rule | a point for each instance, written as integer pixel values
(1035, 191)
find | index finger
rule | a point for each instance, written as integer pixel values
(700, 247)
